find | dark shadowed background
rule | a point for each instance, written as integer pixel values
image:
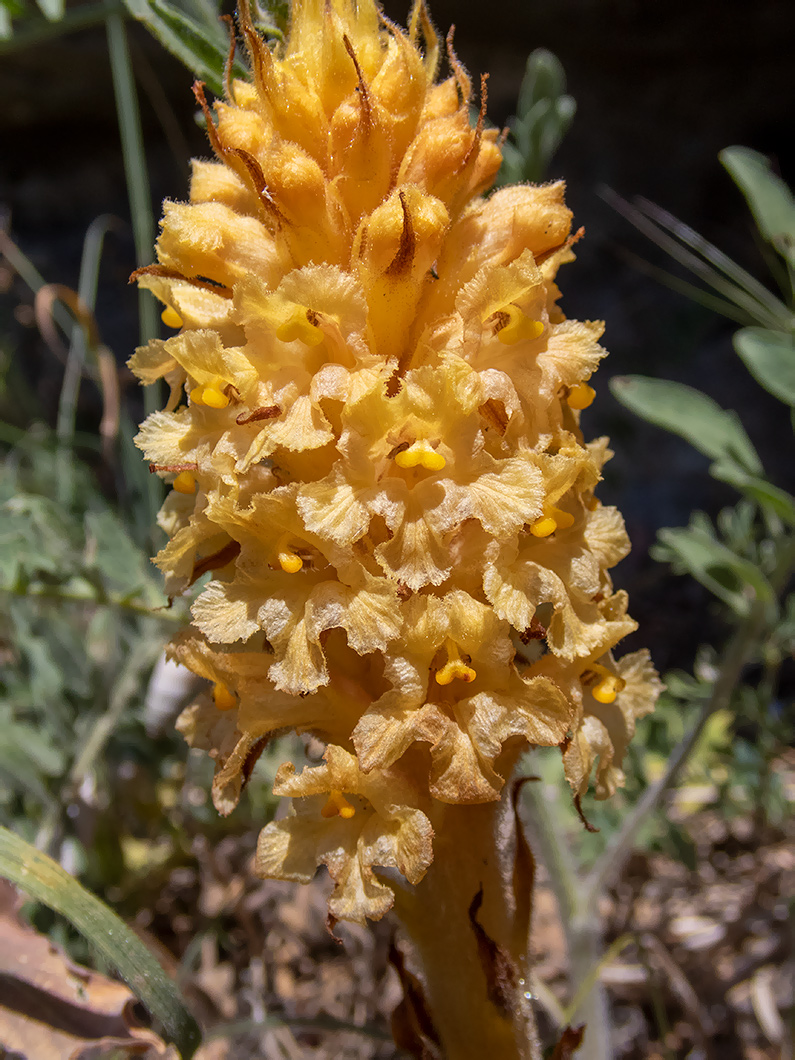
(660, 89)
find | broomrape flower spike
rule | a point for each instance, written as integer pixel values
(374, 426)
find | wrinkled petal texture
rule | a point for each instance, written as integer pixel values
(381, 492)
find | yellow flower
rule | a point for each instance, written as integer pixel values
(373, 439)
(610, 710)
(350, 823)
(454, 687)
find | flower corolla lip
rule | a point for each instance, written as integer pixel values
(351, 823)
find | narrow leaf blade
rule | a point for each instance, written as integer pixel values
(47, 882)
(53, 10)
(203, 54)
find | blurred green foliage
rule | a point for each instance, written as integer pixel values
(746, 558)
(543, 115)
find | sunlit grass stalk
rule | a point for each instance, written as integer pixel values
(135, 170)
(739, 289)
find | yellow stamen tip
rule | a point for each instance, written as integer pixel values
(433, 461)
(287, 559)
(223, 698)
(607, 687)
(214, 398)
(171, 317)
(604, 692)
(455, 669)
(290, 563)
(421, 455)
(337, 806)
(580, 396)
(184, 483)
(552, 520)
(298, 326)
(544, 526)
(211, 396)
(515, 326)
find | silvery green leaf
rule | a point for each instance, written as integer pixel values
(769, 198)
(696, 551)
(698, 419)
(770, 358)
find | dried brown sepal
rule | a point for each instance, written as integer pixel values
(364, 95)
(331, 923)
(535, 631)
(265, 412)
(234, 772)
(404, 257)
(230, 58)
(493, 412)
(173, 469)
(570, 1041)
(251, 171)
(216, 560)
(174, 274)
(498, 966)
(463, 83)
(412, 1026)
(569, 242)
(586, 823)
(474, 147)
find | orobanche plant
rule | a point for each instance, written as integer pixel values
(374, 446)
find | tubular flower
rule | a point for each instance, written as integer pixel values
(373, 439)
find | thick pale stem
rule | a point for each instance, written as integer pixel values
(468, 923)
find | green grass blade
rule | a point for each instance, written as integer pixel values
(675, 283)
(139, 194)
(30, 275)
(714, 256)
(759, 310)
(6, 28)
(135, 171)
(45, 880)
(87, 291)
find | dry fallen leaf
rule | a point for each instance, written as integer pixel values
(52, 1009)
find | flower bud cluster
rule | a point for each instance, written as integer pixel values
(374, 446)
